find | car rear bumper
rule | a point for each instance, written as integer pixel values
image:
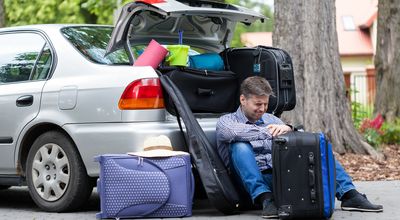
(104, 138)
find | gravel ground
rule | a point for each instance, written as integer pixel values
(364, 168)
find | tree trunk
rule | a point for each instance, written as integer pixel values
(307, 30)
(387, 60)
(2, 14)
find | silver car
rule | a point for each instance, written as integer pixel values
(70, 92)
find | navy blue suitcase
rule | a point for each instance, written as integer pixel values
(304, 177)
(137, 187)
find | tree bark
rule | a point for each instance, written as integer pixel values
(2, 14)
(387, 60)
(307, 30)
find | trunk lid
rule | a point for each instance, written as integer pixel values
(205, 24)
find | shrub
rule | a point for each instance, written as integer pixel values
(391, 132)
(378, 132)
(373, 137)
(371, 130)
(359, 112)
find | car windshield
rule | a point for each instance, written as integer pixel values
(92, 42)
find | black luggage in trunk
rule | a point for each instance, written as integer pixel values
(218, 91)
(206, 91)
(271, 63)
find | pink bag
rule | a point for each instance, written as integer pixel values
(152, 56)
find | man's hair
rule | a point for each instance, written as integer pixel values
(255, 85)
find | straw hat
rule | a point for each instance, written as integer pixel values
(159, 146)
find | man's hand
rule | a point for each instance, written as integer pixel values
(276, 129)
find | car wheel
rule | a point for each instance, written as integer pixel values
(55, 174)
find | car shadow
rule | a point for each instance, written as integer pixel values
(18, 198)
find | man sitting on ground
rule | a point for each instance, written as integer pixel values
(244, 142)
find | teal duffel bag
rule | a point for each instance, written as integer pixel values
(206, 61)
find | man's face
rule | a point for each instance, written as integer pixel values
(254, 106)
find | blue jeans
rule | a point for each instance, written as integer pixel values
(246, 169)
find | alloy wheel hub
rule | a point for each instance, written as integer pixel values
(50, 172)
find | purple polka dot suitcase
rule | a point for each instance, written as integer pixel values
(137, 187)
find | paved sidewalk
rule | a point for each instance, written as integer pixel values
(386, 193)
(16, 204)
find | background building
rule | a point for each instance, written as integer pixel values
(356, 24)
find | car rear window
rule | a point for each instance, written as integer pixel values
(92, 41)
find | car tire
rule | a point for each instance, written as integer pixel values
(55, 174)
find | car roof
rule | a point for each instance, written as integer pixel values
(45, 27)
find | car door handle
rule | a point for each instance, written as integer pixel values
(24, 101)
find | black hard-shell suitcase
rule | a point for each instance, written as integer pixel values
(206, 91)
(274, 64)
(304, 177)
(214, 176)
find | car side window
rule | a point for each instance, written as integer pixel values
(18, 54)
(91, 42)
(43, 64)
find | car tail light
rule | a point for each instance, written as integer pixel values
(142, 94)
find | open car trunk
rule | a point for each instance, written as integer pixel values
(208, 27)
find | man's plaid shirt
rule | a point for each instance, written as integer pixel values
(235, 127)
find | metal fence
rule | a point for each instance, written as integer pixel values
(363, 92)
